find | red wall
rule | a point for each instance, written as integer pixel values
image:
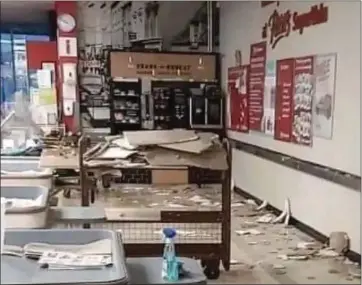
(38, 52)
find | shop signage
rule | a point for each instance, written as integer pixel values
(198, 67)
(280, 25)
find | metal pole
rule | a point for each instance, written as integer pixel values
(210, 23)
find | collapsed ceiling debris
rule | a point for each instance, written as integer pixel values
(159, 148)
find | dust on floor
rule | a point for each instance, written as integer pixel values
(261, 253)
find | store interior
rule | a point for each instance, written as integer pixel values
(210, 148)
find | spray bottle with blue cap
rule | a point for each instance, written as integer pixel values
(170, 266)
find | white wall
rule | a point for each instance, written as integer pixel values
(325, 206)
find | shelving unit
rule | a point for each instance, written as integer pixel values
(125, 104)
(95, 106)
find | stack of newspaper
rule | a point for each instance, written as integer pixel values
(55, 260)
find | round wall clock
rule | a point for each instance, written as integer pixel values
(66, 23)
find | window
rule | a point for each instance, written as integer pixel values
(14, 71)
(151, 24)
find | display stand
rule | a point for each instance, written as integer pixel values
(125, 104)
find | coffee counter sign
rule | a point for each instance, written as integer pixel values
(198, 67)
(280, 25)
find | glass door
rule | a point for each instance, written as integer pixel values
(7, 74)
(20, 63)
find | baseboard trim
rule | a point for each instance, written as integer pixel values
(345, 179)
(353, 256)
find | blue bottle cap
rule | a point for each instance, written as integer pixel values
(169, 232)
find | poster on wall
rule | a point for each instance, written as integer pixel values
(242, 85)
(303, 98)
(238, 98)
(323, 102)
(256, 85)
(269, 98)
(284, 99)
(234, 99)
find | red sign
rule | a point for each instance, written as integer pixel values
(238, 94)
(279, 25)
(284, 100)
(303, 96)
(256, 85)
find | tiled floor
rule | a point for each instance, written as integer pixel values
(255, 257)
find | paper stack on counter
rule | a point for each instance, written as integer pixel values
(53, 260)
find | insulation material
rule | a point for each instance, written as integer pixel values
(139, 138)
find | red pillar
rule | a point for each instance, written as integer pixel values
(66, 8)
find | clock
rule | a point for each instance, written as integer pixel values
(66, 23)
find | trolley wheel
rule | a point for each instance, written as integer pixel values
(212, 269)
(226, 265)
(66, 194)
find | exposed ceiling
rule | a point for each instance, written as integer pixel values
(25, 11)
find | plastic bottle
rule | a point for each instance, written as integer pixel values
(169, 264)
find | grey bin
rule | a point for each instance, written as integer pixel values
(21, 271)
(27, 217)
(16, 172)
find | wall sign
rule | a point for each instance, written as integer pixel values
(323, 105)
(279, 25)
(198, 67)
(67, 47)
(238, 98)
(269, 98)
(304, 86)
(284, 100)
(256, 85)
(238, 58)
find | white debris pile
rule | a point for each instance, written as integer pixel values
(159, 148)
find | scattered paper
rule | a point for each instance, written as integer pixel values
(266, 219)
(237, 204)
(250, 202)
(292, 257)
(278, 266)
(200, 200)
(172, 205)
(326, 252)
(307, 245)
(235, 262)
(67, 260)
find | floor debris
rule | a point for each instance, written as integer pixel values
(266, 219)
(248, 232)
(339, 241)
(235, 262)
(278, 266)
(279, 250)
(308, 245)
(292, 257)
(327, 252)
(262, 206)
(237, 204)
(251, 202)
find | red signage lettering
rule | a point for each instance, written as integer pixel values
(279, 24)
